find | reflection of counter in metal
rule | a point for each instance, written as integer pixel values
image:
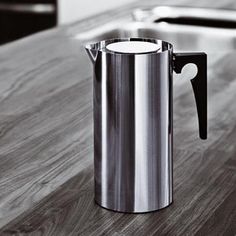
(21, 18)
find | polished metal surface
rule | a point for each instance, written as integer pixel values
(36, 8)
(185, 37)
(133, 109)
(132, 128)
(172, 12)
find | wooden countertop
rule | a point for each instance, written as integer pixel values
(46, 148)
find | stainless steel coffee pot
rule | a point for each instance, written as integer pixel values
(133, 125)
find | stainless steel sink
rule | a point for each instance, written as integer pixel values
(188, 29)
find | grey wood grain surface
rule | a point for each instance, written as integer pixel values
(46, 149)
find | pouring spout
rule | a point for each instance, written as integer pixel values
(91, 52)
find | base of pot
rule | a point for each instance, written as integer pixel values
(134, 211)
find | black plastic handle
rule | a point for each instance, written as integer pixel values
(199, 84)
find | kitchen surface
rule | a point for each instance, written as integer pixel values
(46, 127)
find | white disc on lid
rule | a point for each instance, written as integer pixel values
(133, 47)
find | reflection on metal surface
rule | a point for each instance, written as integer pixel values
(132, 128)
(36, 8)
(133, 124)
(187, 15)
(184, 37)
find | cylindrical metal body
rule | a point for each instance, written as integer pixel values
(133, 129)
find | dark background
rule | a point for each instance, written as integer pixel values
(15, 25)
